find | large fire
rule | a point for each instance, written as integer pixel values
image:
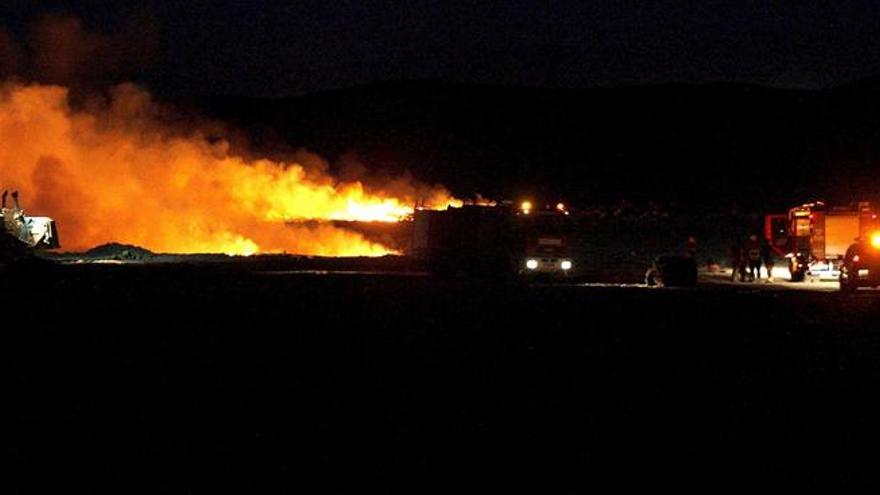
(116, 174)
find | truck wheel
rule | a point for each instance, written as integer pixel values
(846, 284)
(798, 276)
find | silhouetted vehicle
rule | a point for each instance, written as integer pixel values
(494, 240)
(471, 240)
(861, 264)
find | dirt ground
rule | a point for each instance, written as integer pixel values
(188, 378)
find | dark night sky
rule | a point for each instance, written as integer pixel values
(274, 48)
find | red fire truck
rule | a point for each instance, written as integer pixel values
(815, 237)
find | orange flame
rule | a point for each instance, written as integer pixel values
(116, 174)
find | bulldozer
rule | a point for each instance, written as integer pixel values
(31, 232)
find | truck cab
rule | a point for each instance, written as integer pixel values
(861, 264)
(545, 236)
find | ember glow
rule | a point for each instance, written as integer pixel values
(115, 174)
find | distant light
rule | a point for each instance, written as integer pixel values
(875, 240)
(526, 206)
(532, 264)
(565, 265)
(560, 206)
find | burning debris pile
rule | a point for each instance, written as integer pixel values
(114, 172)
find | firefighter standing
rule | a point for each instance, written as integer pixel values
(767, 256)
(737, 263)
(753, 253)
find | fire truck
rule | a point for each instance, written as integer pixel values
(815, 237)
(495, 240)
(543, 240)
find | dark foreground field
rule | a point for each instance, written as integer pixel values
(188, 379)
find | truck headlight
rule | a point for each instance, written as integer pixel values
(565, 265)
(532, 264)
